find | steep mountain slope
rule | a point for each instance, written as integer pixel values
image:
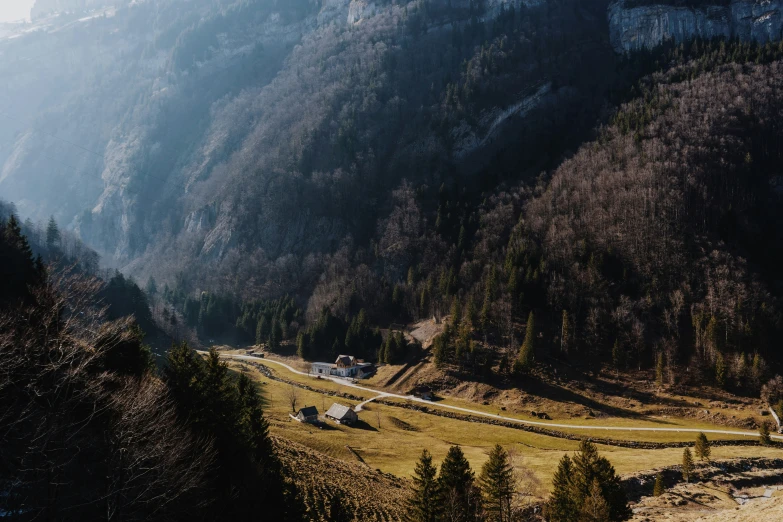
(237, 138)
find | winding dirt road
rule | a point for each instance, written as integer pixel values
(591, 427)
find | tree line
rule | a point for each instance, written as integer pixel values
(585, 489)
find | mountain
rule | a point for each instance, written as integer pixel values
(303, 161)
(643, 24)
(225, 138)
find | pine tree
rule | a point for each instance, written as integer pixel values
(276, 336)
(720, 371)
(687, 464)
(528, 349)
(764, 438)
(459, 495)
(262, 330)
(423, 505)
(461, 239)
(659, 488)
(565, 333)
(53, 237)
(424, 302)
(486, 309)
(440, 350)
(659, 369)
(456, 312)
(561, 506)
(588, 465)
(303, 345)
(470, 312)
(497, 485)
(702, 447)
(152, 287)
(595, 507)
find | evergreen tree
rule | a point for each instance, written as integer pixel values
(275, 336)
(528, 349)
(262, 330)
(303, 345)
(227, 410)
(687, 464)
(595, 507)
(440, 349)
(659, 369)
(561, 506)
(497, 485)
(470, 312)
(53, 236)
(152, 287)
(20, 271)
(720, 371)
(764, 437)
(659, 488)
(565, 333)
(702, 447)
(423, 505)
(485, 316)
(456, 312)
(459, 495)
(587, 466)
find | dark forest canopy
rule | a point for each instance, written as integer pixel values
(95, 433)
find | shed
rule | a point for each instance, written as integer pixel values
(307, 414)
(365, 370)
(342, 414)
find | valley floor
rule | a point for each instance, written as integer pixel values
(391, 434)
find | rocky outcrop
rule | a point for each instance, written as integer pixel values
(636, 25)
(359, 10)
(48, 7)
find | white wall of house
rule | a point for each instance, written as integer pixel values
(345, 372)
(321, 369)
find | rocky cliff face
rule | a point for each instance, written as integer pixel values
(635, 25)
(47, 7)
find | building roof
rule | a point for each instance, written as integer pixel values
(308, 411)
(347, 360)
(338, 411)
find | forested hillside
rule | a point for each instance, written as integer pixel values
(309, 171)
(248, 140)
(90, 429)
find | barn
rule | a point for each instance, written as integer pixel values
(307, 414)
(342, 414)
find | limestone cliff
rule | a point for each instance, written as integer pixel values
(47, 7)
(638, 24)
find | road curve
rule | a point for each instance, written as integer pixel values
(431, 404)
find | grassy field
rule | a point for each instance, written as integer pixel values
(619, 422)
(395, 446)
